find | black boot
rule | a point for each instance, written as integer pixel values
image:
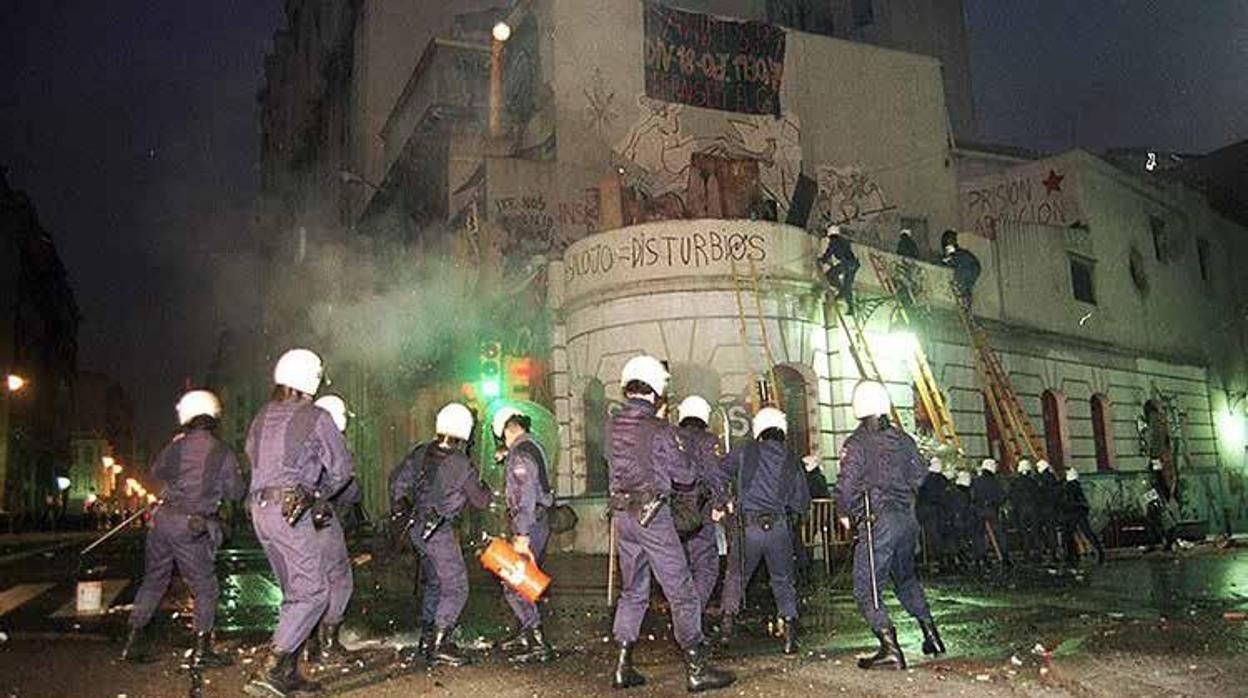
(790, 635)
(701, 676)
(537, 650)
(301, 683)
(203, 656)
(136, 650)
(420, 651)
(625, 675)
(444, 650)
(311, 651)
(516, 643)
(275, 678)
(932, 644)
(889, 655)
(332, 650)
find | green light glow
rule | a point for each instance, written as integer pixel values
(491, 388)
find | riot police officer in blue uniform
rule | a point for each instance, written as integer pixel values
(296, 450)
(198, 472)
(434, 483)
(702, 449)
(529, 497)
(773, 491)
(644, 463)
(881, 470)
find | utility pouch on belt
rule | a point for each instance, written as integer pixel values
(295, 504)
(322, 512)
(431, 526)
(196, 524)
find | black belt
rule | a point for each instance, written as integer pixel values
(630, 501)
(272, 495)
(763, 521)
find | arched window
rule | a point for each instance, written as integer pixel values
(594, 399)
(1055, 439)
(997, 447)
(794, 402)
(1103, 432)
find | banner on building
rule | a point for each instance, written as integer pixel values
(715, 63)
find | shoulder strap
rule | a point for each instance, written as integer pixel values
(535, 452)
(300, 426)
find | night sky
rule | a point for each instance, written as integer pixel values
(132, 125)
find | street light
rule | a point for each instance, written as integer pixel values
(62, 483)
(501, 31)
(15, 383)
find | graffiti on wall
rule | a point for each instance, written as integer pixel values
(690, 250)
(657, 153)
(1045, 194)
(850, 197)
(715, 63)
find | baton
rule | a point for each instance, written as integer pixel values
(610, 558)
(120, 526)
(875, 588)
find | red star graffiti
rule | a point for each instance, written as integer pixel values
(1053, 182)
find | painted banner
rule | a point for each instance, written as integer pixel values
(715, 63)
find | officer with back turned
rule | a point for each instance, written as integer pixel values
(773, 490)
(295, 450)
(433, 484)
(198, 472)
(645, 463)
(881, 470)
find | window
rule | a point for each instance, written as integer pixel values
(1202, 256)
(1053, 405)
(1102, 432)
(1081, 281)
(1158, 229)
(864, 13)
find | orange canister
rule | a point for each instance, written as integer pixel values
(517, 571)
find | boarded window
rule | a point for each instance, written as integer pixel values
(1082, 282)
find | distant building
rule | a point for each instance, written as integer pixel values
(38, 344)
(103, 427)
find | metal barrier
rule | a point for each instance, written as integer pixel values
(820, 523)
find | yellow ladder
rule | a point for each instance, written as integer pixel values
(932, 399)
(860, 350)
(1015, 427)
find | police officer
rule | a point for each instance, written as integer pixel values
(295, 450)
(881, 470)
(1049, 495)
(930, 510)
(324, 646)
(197, 471)
(772, 489)
(528, 498)
(1024, 493)
(960, 518)
(843, 265)
(702, 449)
(434, 482)
(906, 246)
(987, 498)
(966, 267)
(644, 462)
(1075, 518)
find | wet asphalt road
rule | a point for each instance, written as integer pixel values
(1138, 625)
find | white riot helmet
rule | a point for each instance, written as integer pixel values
(1025, 466)
(299, 369)
(645, 369)
(336, 407)
(1071, 475)
(696, 407)
(988, 465)
(934, 465)
(871, 400)
(1155, 464)
(834, 230)
(1042, 466)
(197, 403)
(770, 418)
(501, 418)
(455, 421)
(964, 478)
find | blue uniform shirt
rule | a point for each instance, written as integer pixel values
(444, 482)
(527, 486)
(884, 462)
(637, 467)
(293, 442)
(197, 471)
(777, 485)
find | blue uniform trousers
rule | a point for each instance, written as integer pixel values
(896, 534)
